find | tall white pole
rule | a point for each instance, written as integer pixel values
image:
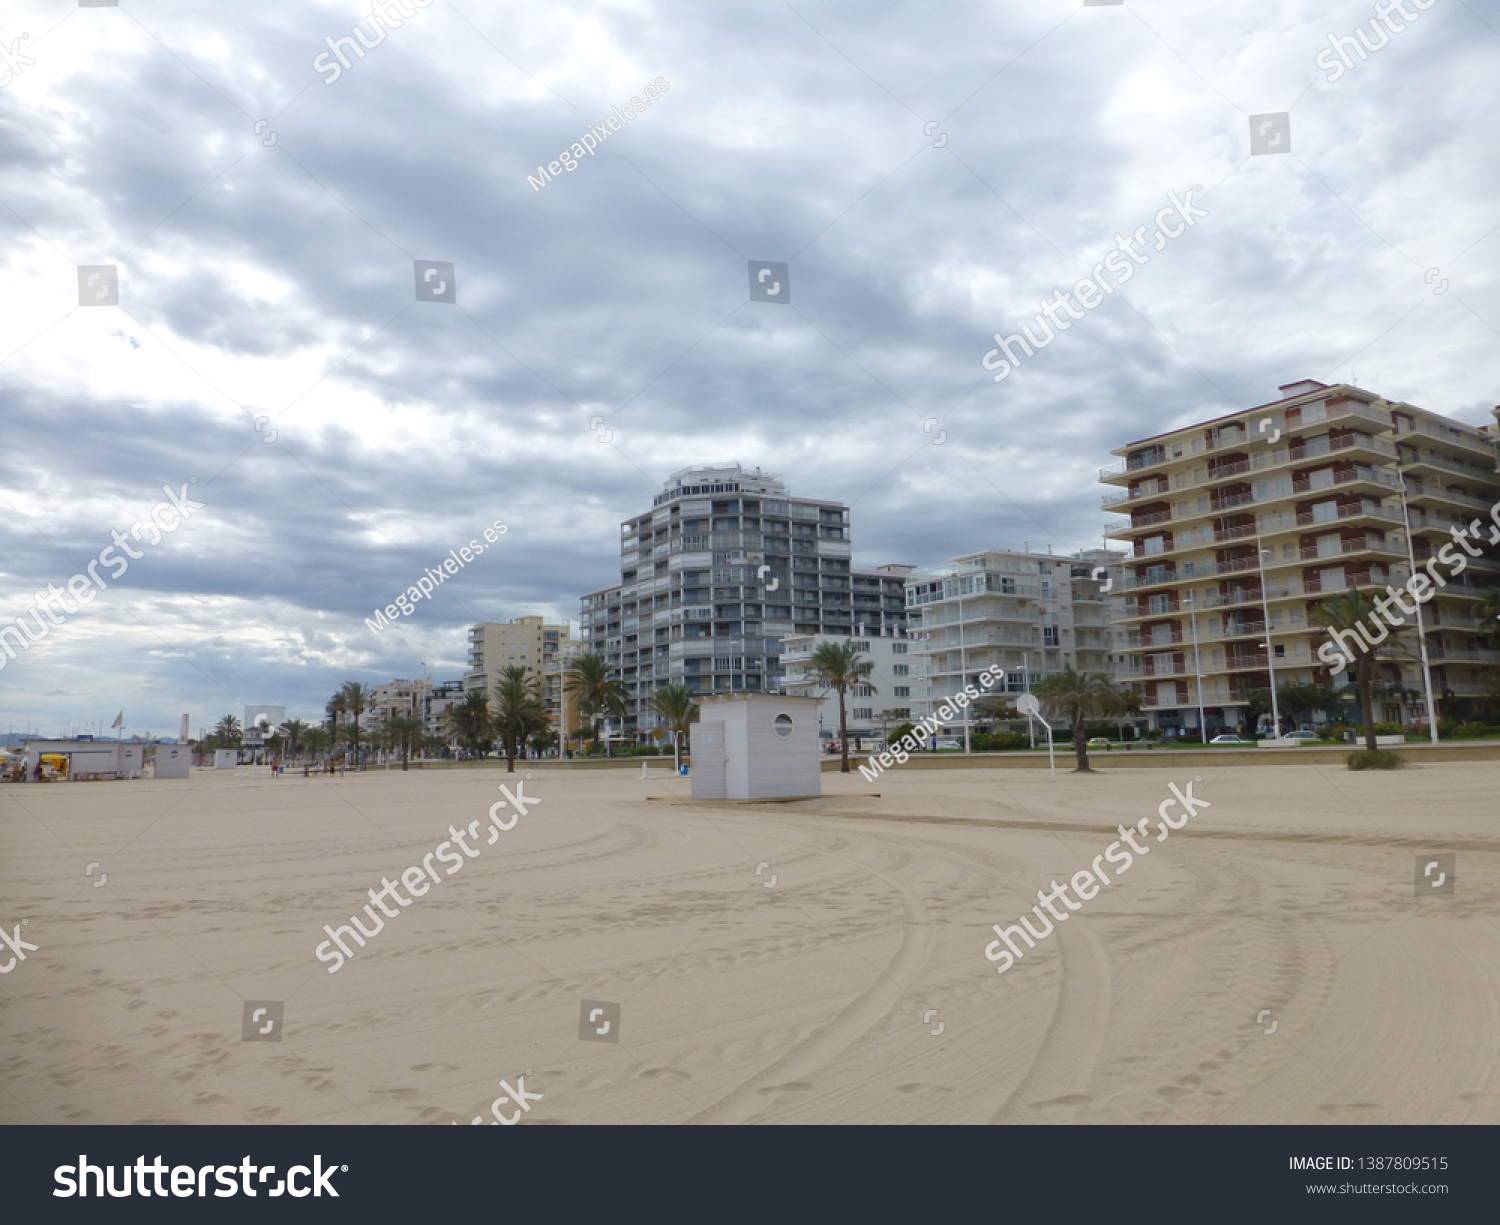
(1411, 557)
(963, 660)
(1197, 666)
(1260, 558)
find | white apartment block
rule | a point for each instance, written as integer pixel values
(872, 708)
(724, 565)
(1032, 614)
(1246, 522)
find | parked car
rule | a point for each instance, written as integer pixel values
(1230, 739)
(1300, 736)
(1099, 742)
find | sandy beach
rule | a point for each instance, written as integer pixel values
(1289, 904)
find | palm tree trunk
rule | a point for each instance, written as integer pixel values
(1080, 746)
(1366, 683)
(843, 737)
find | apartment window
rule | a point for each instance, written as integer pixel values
(1325, 512)
(898, 648)
(861, 645)
(903, 691)
(901, 669)
(1049, 635)
(863, 712)
(860, 691)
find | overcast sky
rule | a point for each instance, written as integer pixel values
(928, 173)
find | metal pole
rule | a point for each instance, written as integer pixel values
(1197, 667)
(1411, 557)
(1260, 558)
(1026, 682)
(963, 661)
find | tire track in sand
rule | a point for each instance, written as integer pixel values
(742, 1103)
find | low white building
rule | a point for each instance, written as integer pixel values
(886, 701)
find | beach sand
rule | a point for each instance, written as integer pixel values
(746, 1001)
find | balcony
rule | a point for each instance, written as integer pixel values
(1134, 642)
(1137, 495)
(1429, 459)
(1244, 663)
(1360, 510)
(1420, 491)
(1476, 445)
(1229, 501)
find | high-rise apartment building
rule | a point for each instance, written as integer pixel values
(712, 577)
(1032, 614)
(1240, 526)
(529, 642)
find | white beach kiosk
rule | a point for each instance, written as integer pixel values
(756, 746)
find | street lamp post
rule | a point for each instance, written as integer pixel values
(1260, 557)
(1197, 665)
(1411, 557)
(963, 660)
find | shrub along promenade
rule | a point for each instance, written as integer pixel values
(1155, 758)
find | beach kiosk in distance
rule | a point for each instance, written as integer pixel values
(756, 746)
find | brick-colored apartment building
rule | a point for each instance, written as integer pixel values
(1267, 512)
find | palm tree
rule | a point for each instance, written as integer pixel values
(1077, 697)
(317, 739)
(1489, 613)
(520, 710)
(677, 709)
(294, 732)
(1350, 616)
(542, 740)
(228, 732)
(405, 731)
(469, 722)
(355, 698)
(598, 695)
(840, 667)
(335, 709)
